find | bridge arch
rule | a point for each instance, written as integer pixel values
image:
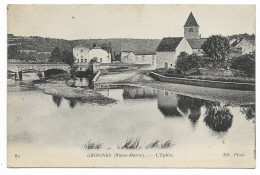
(18, 68)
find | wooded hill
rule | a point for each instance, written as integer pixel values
(48, 44)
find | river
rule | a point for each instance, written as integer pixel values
(45, 122)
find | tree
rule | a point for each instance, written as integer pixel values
(56, 55)
(217, 48)
(13, 52)
(245, 64)
(187, 62)
(68, 57)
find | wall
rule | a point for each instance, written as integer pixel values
(128, 57)
(171, 57)
(163, 57)
(198, 52)
(81, 55)
(101, 55)
(131, 58)
(183, 46)
(191, 35)
(204, 83)
(246, 46)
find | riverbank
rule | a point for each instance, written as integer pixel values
(61, 89)
(141, 78)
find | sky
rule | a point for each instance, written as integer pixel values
(127, 21)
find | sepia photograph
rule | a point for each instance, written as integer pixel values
(131, 85)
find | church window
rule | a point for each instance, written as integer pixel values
(190, 29)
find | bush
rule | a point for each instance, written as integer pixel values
(187, 63)
(245, 64)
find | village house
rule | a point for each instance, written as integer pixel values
(139, 52)
(80, 54)
(170, 48)
(245, 46)
(84, 55)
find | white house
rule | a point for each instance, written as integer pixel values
(84, 55)
(80, 54)
(139, 52)
(247, 46)
(169, 49)
(100, 55)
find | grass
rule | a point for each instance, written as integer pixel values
(92, 145)
(225, 79)
(157, 144)
(167, 144)
(131, 143)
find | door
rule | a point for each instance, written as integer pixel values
(166, 65)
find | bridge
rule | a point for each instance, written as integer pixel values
(19, 67)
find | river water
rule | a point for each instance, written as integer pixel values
(37, 120)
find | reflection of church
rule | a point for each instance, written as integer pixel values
(167, 103)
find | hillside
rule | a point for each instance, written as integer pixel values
(48, 44)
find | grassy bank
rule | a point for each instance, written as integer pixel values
(60, 88)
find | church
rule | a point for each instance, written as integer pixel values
(170, 48)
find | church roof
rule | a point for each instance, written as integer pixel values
(169, 44)
(196, 43)
(191, 21)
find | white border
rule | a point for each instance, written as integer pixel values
(114, 171)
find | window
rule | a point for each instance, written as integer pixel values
(190, 29)
(82, 60)
(100, 60)
(86, 60)
(78, 60)
(81, 50)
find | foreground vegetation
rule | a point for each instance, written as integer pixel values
(132, 143)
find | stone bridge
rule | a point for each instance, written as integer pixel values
(18, 67)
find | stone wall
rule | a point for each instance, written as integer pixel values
(205, 83)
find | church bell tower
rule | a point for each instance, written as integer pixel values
(191, 28)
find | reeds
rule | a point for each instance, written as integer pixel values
(92, 145)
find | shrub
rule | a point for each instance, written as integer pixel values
(245, 64)
(187, 63)
(218, 118)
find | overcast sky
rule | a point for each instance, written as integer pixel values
(127, 21)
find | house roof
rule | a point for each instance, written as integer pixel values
(141, 47)
(169, 44)
(191, 21)
(196, 43)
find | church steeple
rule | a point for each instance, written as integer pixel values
(191, 28)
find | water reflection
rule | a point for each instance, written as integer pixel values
(172, 105)
(57, 100)
(167, 104)
(218, 118)
(139, 93)
(82, 82)
(72, 103)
